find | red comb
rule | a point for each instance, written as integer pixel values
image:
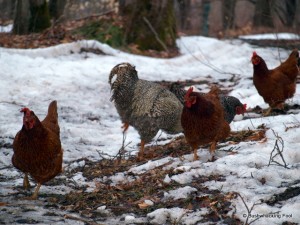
(254, 54)
(245, 107)
(189, 91)
(26, 111)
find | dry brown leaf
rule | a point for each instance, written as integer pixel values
(143, 205)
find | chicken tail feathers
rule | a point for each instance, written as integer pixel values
(51, 120)
(215, 91)
(52, 112)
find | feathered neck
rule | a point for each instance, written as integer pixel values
(38, 128)
(261, 68)
(202, 107)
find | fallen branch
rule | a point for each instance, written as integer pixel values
(155, 33)
(289, 193)
(6, 167)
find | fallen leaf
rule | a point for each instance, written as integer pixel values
(143, 205)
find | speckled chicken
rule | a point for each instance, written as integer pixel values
(145, 105)
(37, 148)
(231, 105)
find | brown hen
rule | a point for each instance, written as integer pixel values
(278, 84)
(203, 120)
(37, 148)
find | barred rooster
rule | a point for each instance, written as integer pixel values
(231, 105)
(146, 106)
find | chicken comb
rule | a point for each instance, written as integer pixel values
(244, 107)
(254, 54)
(26, 111)
(189, 91)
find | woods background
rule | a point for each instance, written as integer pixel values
(196, 17)
(138, 26)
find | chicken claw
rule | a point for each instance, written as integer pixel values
(34, 196)
(267, 112)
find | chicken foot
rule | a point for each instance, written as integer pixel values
(267, 112)
(212, 150)
(34, 196)
(26, 183)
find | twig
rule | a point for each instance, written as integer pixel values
(122, 150)
(12, 103)
(155, 34)
(278, 152)
(248, 210)
(70, 217)
(208, 64)
(6, 167)
(251, 120)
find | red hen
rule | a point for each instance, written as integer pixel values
(203, 120)
(37, 148)
(278, 84)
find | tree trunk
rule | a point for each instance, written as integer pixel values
(31, 16)
(149, 24)
(263, 17)
(56, 8)
(22, 17)
(40, 17)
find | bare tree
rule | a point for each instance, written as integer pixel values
(56, 8)
(31, 16)
(22, 16)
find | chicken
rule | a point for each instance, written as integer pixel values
(145, 105)
(278, 84)
(37, 148)
(203, 120)
(231, 105)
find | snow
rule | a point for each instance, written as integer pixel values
(6, 29)
(91, 128)
(274, 36)
(180, 193)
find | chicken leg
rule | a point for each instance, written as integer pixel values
(212, 150)
(26, 183)
(141, 152)
(125, 126)
(196, 157)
